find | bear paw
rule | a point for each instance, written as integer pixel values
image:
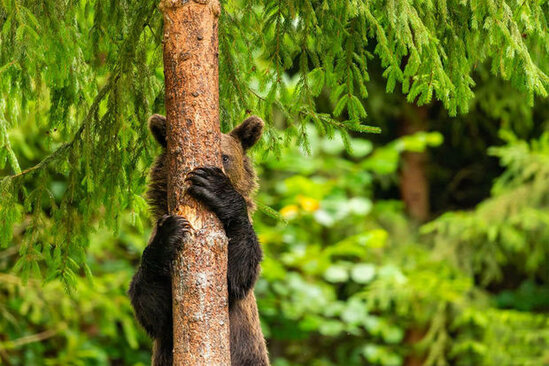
(213, 188)
(170, 232)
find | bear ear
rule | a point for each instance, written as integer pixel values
(248, 132)
(157, 125)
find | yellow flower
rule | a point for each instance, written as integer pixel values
(289, 211)
(308, 204)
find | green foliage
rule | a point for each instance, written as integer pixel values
(349, 273)
(69, 84)
(43, 324)
(347, 278)
(510, 228)
(67, 68)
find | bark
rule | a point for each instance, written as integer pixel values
(413, 337)
(414, 185)
(200, 306)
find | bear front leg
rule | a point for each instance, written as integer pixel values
(212, 187)
(150, 290)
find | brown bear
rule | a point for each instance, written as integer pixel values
(229, 194)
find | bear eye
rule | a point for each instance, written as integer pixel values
(225, 158)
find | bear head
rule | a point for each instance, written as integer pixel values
(236, 164)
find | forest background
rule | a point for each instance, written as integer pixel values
(404, 176)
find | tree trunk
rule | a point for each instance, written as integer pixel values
(414, 185)
(199, 287)
(414, 188)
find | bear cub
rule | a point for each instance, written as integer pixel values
(229, 194)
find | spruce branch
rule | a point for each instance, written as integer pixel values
(65, 148)
(120, 65)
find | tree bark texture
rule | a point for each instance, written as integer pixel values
(199, 286)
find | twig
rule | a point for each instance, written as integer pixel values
(29, 339)
(9, 252)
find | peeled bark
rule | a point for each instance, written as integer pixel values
(199, 287)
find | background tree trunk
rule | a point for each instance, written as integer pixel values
(414, 188)
(200, 306)
(414, 185)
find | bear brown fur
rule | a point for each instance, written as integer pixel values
(229, 194)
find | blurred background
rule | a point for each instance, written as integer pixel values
(426, 243)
